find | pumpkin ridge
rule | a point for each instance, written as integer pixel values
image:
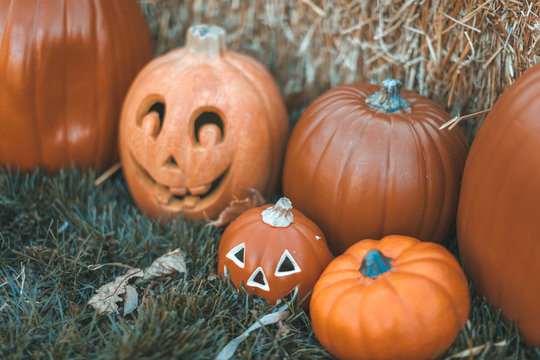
(94, 49)
(345, 169)
(34, 87)
(420, 147)
(308, 240)
(442, 290)
(270, 129)
(440, 164)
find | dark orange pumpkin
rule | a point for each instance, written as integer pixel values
(364, 164)
(499, 208)
(201, 126)
(397, 298)
(274, 252)
(65, 66)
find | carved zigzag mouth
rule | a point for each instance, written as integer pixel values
(186, 197)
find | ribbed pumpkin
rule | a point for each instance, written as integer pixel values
(499, 208)
(397, 298)
(365, 164)
(65, 66)
(274, 251)
(201, 126)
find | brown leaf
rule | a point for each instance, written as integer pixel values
(106, 297)
(237, 207)
(166, 265)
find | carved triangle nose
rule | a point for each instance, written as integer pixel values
(171, 162)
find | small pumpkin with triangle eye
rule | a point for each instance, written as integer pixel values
(274, 252)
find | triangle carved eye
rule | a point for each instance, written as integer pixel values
(287, 265)
(258, 279)
(236, 254)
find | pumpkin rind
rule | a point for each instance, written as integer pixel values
(374, 173)
(412, 311)
(246, 155)
(264, 247)
(499, 211)
(65, 67)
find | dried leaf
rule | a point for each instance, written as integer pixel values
(475, 350)
(131, 299)
(106, 297)
(166, 265)
(283, 330)
(228, 351)
(237, 207)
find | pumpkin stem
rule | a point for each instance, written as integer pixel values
(389, 98)
(280, 214)
(374, 264)
(206, 40)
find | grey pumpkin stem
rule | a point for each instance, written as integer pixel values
(389, 97)
(206, 40)
(374, 264)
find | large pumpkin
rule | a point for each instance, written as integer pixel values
(499, 208)
(364, 164)
(397, 298)
(201, 126)
(65, 67)
(274, 252)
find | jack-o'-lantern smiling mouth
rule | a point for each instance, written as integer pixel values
(179, 197)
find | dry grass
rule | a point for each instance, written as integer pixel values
(462, 54)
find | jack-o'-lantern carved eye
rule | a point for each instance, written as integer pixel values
(152, 120)
(236, 254)
(258, 279)
(208, 129)
(287, 265)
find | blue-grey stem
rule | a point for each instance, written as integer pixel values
(389, 98)
(374, 264)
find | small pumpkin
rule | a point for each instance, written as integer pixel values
(201, 126)
(499, 211)
(65, 67)
(397, 298)
(274, 252)
(378, 163)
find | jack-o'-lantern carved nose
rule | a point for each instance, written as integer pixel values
(209, 129)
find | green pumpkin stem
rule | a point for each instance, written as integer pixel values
(389, 97)
(374, 264)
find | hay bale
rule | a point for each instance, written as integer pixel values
(462, 54)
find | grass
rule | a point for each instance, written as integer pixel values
(54, 228)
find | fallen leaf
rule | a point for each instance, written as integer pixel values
(283, 330)
(228, 351)
(131, 299)
(166, 265)
(237, 207)
(106, 297)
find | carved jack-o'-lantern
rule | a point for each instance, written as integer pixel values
(275, 251)
(201, 126)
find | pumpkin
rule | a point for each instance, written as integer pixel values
(378, 164)
(201, 126)
(275, 252)
(65, 67)
(397, 298)
(498, 213)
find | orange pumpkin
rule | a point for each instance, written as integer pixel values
(274, 252)
(200, 127)
(499, 211)
(397, 298)
(378, 164)
(65, 67)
